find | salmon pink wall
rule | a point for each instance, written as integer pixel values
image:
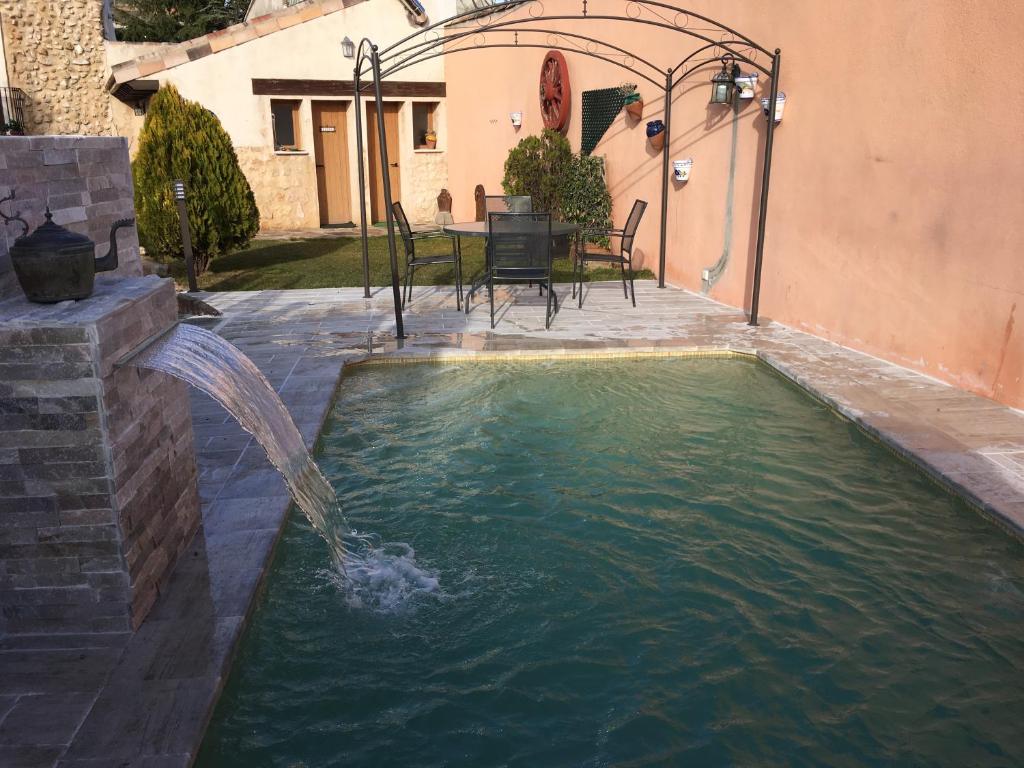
(896, 198)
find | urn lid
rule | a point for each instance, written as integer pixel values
(50, 237)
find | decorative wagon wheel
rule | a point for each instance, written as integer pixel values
(555, 97)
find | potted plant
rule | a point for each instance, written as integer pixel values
(14, 128)
(430, 139)
(632, 101)
(656, 133)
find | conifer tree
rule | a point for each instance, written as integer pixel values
(173, 21)
(181, 139)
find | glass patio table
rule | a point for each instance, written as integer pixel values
(480, 229)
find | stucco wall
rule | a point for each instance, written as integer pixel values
(312, 50)
(55, 53)
(896, 183)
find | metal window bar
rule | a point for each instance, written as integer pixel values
(12, 108)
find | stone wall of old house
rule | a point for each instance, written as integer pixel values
(429, 177)
(284, 187)
(86, 181)
(55, 53)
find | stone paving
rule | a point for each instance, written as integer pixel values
(144, 699)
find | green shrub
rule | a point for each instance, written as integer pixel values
(571, 186)
(182, 140)
(585, 198)
(535, 167)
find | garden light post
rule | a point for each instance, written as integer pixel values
(186, 234)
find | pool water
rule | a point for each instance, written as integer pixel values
(660, 562)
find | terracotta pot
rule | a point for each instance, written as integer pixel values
(431, 143)
(657, 140)
(636, 110)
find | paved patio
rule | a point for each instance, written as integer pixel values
(144, 700)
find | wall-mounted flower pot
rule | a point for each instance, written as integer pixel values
(517, 118)
(745, 85)
(681, 169)
(656, 133)
(780, 106)
(636, 109)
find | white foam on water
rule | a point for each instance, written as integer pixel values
(384, 578)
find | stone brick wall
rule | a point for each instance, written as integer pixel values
(284, 187)
(85, 180)
(430, 176)
(55, 54)
(98, 483)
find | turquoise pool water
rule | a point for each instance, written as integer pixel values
(662, 562)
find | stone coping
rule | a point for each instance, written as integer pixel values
(145, 700)
(108, 294)
(176, 54)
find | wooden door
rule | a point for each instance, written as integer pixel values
(373, 149)
(330, 146)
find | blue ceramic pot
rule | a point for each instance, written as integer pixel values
(654, 128)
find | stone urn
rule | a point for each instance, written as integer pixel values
(55, 264)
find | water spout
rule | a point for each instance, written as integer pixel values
(370, 573)
(218, 368)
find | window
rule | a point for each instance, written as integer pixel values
(284, 118)
(423, 123)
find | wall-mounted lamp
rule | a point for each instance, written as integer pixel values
(348, 48)
(140, 108)
(517, 118)
(723, 84)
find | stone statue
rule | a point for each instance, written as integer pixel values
(481, 204)
(444, 209)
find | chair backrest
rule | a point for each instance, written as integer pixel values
(629, 231)
(519, 240)
(508, 204)
(403, 227)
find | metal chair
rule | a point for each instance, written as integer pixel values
(626, 235)
(519, 250)
(409, 239)
(508, 204)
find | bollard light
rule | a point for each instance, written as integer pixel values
(348, 48)
(179, 190)
(723, 84)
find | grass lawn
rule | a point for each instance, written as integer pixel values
(337, 263)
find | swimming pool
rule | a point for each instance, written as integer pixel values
(640, 563)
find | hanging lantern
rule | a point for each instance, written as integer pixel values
(723, 84)
(348, 48)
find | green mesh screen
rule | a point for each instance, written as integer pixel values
(599, 110)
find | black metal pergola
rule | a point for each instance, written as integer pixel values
(523, 25)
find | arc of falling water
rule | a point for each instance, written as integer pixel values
(218, 368)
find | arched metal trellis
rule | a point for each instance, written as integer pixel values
(521, 25)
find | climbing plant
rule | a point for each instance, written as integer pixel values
(585, 199)
(181, 139)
